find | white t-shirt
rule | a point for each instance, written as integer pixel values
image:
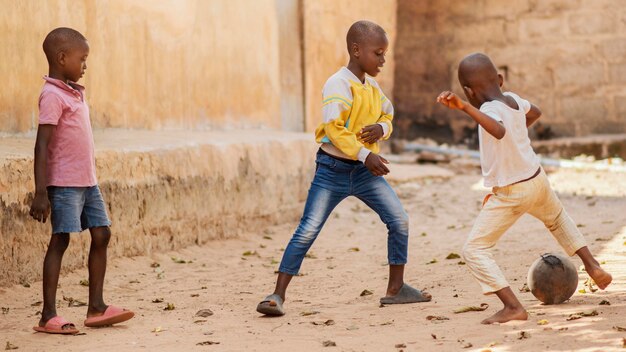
(510, 159)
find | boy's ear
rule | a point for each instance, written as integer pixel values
(354, 48)
(61, 58)
(500, 80)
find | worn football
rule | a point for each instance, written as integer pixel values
(552, 278)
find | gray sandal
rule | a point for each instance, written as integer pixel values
(407, 294)
(271, 305)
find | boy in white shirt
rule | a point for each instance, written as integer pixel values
(520, 185)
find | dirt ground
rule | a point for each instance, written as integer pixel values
(326, 305)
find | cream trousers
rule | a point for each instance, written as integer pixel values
(500, 211)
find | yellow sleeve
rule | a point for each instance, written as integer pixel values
(386, 115)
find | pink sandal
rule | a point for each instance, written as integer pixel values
(112, 315)
(55, 326)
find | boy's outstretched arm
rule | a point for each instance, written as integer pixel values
(490, 125)
(40, 208)
(532, 115)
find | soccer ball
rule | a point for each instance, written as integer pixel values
(552, 278)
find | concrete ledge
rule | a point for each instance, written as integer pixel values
(164, 190)
(599, 146)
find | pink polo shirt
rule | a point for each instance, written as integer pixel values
(71, 159)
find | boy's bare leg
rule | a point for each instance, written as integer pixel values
(97, 267)
(513, 309)
(592, 267)
(51, 269)
(281, 284)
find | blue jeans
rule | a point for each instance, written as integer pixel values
(334, 181)
(74, 209)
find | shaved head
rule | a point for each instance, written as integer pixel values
(477, 71)
(61, 39)
(362, 31)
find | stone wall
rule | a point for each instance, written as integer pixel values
(566, 56)
(163, 190)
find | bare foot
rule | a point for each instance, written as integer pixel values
(600, 277)
(507, 314)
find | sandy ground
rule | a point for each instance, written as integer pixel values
(325, 303)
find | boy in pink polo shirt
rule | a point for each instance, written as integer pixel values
(65, 181)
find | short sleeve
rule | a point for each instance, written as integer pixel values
(50, 108)
(491, 111)
(524, 104)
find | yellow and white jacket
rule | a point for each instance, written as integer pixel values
(349, 105)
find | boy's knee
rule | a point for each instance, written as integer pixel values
(467, 253)
(400, 224)
(100, 236)
(60, 242)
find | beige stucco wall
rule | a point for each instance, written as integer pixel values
(153, 64)
(567, 56)
(325, 25)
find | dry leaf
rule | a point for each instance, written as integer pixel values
(71, 302)
(366, 293)
(157, 329)
(433, 336)
(542, 322)
(267, 238)
(307, 313)
(169, 306)
(178, 260)
(84, 282)
(204, 313)
(579, 315)
(400, 345)
(436, 317)
(483, 306)
(619, 328)
(604, 302)
(10, 346)
(523, 335)
(432, 261)
(157, 300)
(207, 343)
(590, 284)
(461, 263)
(327, 322)
(524, 288)
(354, 249)
(592, 313)
(453, 256)
(195, 295)
(155, 265)
(329, 343)
(310, 256)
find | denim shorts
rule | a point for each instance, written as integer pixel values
(75, 209)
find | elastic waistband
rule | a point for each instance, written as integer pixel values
(343, 160)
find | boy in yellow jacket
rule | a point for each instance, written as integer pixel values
(356, 116)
